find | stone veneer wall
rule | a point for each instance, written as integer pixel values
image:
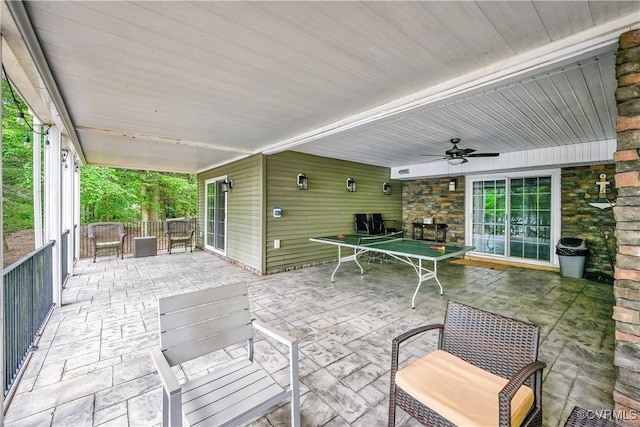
(626, 312)
(579, 219)
(431, 198)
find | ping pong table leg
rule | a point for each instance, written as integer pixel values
(353, 257)
(435, 276)
(334, 271)
(339, 262)
(419, 271)
(422, 277)
(413, 300)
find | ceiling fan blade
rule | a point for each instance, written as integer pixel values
(435, 160)
(467, 151)
(434, 155)
(484, 155)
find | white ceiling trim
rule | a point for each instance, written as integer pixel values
(165, 140)
(22, 82)
(598, 38)
(566, 155)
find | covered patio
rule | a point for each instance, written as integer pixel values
(262, 92)
(92, 365)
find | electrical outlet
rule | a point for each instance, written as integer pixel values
(276, 244)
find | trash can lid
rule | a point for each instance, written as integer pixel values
(571, 242)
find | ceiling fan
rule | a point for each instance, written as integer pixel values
(458, 156)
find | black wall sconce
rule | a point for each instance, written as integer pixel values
(351, 185)
(386, 189)
(227, 184)
(303, 182)
(452, 184)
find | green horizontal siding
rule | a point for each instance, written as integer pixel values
(244, 210)
(326, 208)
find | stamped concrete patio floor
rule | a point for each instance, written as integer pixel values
(92, 365)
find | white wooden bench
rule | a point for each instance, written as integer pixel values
(202, 322)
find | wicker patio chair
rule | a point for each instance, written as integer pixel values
(106, 235)
(179, 232)
(580, 417)
(485, 372)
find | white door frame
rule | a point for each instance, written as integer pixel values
(555, 211)
(206, 215)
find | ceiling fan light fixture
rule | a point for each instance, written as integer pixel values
(457, 160)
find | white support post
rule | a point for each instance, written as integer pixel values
(76, 211)
(67, 201)
(37, 182)
(52, 208)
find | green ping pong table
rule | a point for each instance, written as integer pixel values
(399, 248)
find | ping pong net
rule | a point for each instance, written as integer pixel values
(377, 240)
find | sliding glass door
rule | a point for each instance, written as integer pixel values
(530, 213)
(488, 216)
(512, 216)
(216, 215)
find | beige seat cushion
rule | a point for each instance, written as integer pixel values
(459, 391)
(108, 244)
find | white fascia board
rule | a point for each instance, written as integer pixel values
(595, 39)
(563, 156)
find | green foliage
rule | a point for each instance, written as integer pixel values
(180, 195)
(120, 195)
(17, 167)
(106, 194)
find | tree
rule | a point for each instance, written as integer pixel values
(180, 193)
(108, 194)
(17, 167)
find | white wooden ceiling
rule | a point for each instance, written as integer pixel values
(184, 86)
